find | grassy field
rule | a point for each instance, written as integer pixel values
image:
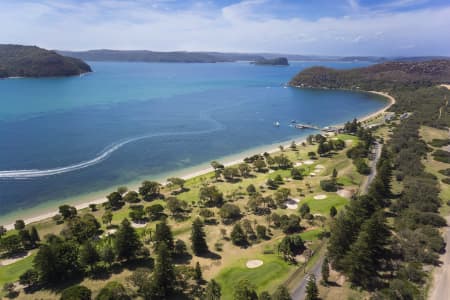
(11, 273)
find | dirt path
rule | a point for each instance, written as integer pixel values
(440, 288)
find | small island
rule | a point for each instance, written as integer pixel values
(32, 61)
(279, 61)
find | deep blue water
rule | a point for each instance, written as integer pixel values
(129, 120)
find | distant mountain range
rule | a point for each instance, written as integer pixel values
(31, 61)
(214, 57)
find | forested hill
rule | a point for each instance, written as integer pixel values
(380, 76)
(155, 56)
(32, 61)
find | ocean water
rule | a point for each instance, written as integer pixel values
(61, 138)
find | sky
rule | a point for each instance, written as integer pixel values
(313, 27)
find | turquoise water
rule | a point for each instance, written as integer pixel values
(64, 137)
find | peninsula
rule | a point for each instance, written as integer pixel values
(32, 61)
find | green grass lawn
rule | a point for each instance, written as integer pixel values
(267, 277)
(323, 206)
(311, 235)
(11, 273)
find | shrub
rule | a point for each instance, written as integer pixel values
(76, 292)
(328, 185)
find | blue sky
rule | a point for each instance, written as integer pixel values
(323, 27)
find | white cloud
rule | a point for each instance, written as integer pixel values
(238, 27)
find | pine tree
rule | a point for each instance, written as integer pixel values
(238, 236)
(312, 292)
(281, 293)
(164, 278)
(245, 291)
(198, 273)
(213, 291)
(34, 235)
(325, 271)
(364, 257)
(264, 296)
(127, 242)
(163, 233)
(333, 211)
(89, 255)
(199, 245)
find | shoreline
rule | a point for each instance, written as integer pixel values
(195, 170)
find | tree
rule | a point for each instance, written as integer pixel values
(164, 278)
(245, 291)
(261, 232)
(213, 291)
(312, 292)
(334, 174)
(281, 293)
(296, 173)
(363, 260)
(176, 181)
(211, 196)
(107, 217)
(19, 225)
(229, 212)
(238, 236)
(107, 254)
(244, 169)
(30, 278)
(131, 197)
(89, 255)
(264, 296)
(76, 292)
(11, 244)
(140, 279)
(127, 242)
(325, 271)
(291, 246)
(304, 210)
(198, 240)
(136, 213)
(81, 228)
(57, 261)
(163, 235)
(230, 173)
(93, 207)
(260, 165)
(176, 206)
(10, 290)
(2, 231)
(216, 165)
(155, 212)
(115, 200)
(180, 248)
(198, 273)
(149, 190)
(251, 189)
(122, 190)
(113, 290)
(333, 211)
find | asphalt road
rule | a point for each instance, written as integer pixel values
(373, 169)
(299, 292)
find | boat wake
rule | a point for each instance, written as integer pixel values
(33, 173)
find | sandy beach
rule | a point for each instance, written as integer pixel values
(238, 159)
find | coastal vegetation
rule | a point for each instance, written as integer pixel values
(383, 241)
(31, 61)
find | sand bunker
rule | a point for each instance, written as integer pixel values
(320, 197)
(271, 171)
(312, 174)
(292, 203)
(308, 162)
(254, 263)
(345, 193)
(9, 261)
(298, 164)
(138, 225)
(320, 167)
